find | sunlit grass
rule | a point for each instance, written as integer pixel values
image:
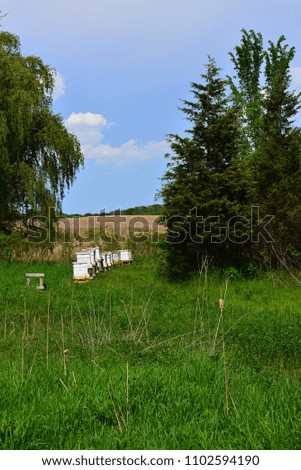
(132, 361)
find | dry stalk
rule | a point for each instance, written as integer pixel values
(127, 392)
(74, 379)
(111, 320)
(33, 328)
(12, 333)
(95, 363)
(47, 333)
(145, 319)
(22, 355)
(154, 344)
(5, 326)
(199, 308)
(281, 259)
(234, 405)
(231, 327)
(205, 306)
(129, 320)
(220, 317)
(25, 331)
(62, 382)
(72, 319)
(119, 416)
(31, 367)
(63, 347)
(226, 379)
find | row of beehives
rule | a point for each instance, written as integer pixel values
(93, 261)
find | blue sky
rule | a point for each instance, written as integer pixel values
(122, 68)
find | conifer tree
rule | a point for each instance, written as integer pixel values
(243, 150)
(199, 193)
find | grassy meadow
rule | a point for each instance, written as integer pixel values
(133, 361)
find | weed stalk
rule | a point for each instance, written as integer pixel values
(47, 333)
(63, 347)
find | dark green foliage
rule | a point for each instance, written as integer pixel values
(206, 185)
(152, 209)
(278, 161)
(38, 157)
(248, 60)
(232, 189)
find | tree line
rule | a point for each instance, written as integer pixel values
(232, 188)
(152, 209)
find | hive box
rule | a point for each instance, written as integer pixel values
(125, 255)
(82, 271)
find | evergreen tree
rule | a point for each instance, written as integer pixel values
(199, 194)
(242, 150)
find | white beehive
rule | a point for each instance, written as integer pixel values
(125, 255)
(81, 271)
(92, 256)
(83, 257)
(87, 257)
(115, 256)
(107, 260)
(104, 261)
(92, 261)
(98, 259)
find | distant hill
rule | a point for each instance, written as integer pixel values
(153, 209)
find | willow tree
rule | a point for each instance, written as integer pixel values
(39, 158)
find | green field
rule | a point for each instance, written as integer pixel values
(133, 361)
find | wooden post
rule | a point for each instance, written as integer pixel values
(41, 280)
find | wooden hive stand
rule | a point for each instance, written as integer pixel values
(41, 280)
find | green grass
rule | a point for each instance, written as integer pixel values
(144, 366)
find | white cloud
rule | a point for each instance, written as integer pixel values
(86, 120)
(128, 153)
(59, 85)
(88, 127)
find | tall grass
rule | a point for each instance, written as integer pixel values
(132, 361)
